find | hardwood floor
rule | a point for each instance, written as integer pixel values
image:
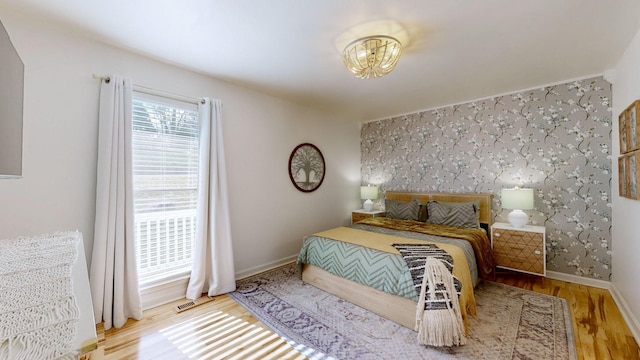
(599, 328)
(222, 329)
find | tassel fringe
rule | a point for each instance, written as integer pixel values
(443, 327)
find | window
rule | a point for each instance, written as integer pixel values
(165, 181)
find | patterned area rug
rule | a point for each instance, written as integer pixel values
(512, 323)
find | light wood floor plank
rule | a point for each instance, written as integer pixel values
(222, 329)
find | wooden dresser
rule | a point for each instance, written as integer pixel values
(520, 249)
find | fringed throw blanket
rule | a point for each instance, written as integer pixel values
(438, 316)
(38, 312)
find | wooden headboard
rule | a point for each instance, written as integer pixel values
(486, 217)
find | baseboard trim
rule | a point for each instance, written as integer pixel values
(176, 289)
(632, 322)
(258, 269)
(601, 284)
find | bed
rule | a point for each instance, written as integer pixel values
(328, 259)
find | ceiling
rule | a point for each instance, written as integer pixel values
(454, 50)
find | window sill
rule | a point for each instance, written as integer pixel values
(164, 279)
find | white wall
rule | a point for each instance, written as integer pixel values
(57, 192)
(626, 212)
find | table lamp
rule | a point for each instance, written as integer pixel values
(368, 193)
(517, 199)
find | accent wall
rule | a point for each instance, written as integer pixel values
(555, 139)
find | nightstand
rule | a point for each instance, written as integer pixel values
(358, 215)
(520, 249)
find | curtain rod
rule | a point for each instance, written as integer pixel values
(150, 91)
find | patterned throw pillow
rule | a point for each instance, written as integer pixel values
(476, 205)
(462, 215)
(402, 210)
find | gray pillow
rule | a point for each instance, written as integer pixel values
(476, 205)
(402, 210)
(462, 215)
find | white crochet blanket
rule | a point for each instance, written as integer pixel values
(38, 311)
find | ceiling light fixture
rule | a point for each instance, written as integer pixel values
(372, 56)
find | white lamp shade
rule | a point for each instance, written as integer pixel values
(368, 192)
(521, 199)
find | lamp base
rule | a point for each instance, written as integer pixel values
(518, 219)
(368, 205)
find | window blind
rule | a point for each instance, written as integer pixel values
(165, 177)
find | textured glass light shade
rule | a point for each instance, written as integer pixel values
(518, 200)
(368, 193)
(372, 56)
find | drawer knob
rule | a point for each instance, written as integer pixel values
(537, 252)
(496, 234)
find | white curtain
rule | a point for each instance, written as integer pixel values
(213, 270)
(114, 276)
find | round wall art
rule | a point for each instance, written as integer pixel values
(306, 167)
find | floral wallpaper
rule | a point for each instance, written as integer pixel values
(556, 140)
